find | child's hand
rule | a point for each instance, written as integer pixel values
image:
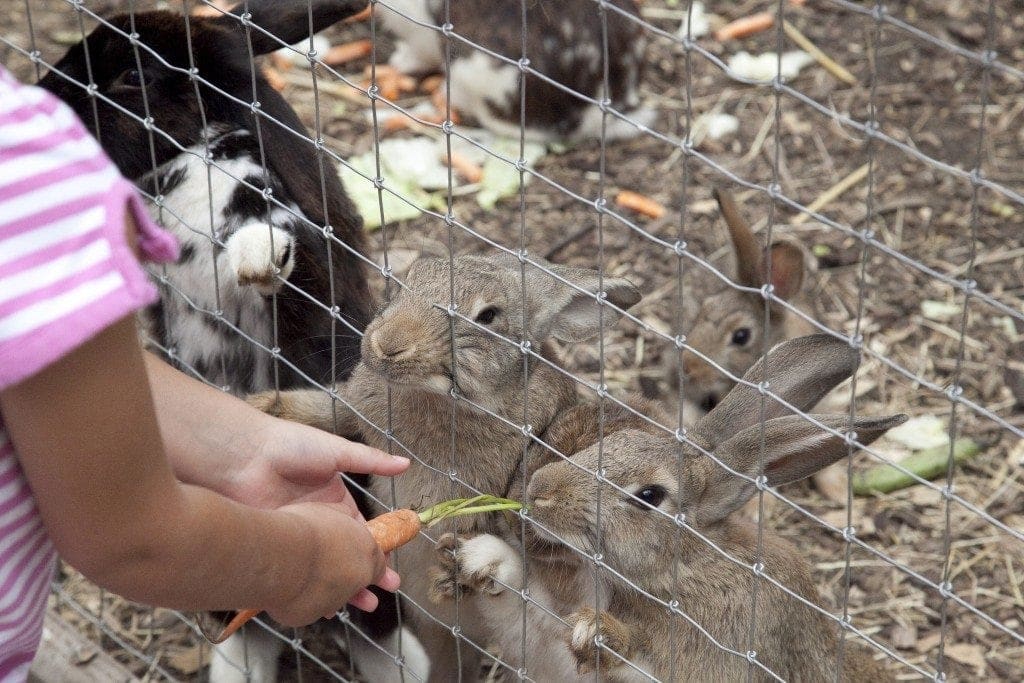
(294, 463)
(348, 560)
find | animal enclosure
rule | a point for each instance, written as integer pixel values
(883, 143)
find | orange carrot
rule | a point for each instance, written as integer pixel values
(348, 52)
(628, 199)
(391, 531)
(746, 26)
(394, 529)
(464, 167)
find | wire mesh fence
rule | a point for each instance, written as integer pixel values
(878, 201)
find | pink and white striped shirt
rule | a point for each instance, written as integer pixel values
(66, 273)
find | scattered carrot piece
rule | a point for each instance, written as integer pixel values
(439, 98)
(430, 84)
(363, 15)
(464, 167)
(348, 52)
(745, 26)
(390, 81)
(635, 201)
(218, 6)
(797, 3)
(395, 124)
(280, 61)
(274, 77)
(391, 531)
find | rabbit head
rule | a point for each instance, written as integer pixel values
(726, 324)
(158, 82)
(410, 341)
(654, 477)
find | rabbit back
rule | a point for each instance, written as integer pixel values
(564, 41)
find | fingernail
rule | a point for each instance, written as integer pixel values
(400, 459)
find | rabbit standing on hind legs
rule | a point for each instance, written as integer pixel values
(247, 230)
(653, 478)
(406, 380)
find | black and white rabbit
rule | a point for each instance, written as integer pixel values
(564, 42)
(238, 246)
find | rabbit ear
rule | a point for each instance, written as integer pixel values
(749, 256)
(787, 272)
(567, 314)
(800, 371)
(794, 448)
(288, 20)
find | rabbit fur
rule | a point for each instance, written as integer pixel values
(405, 378)
(237, 247)
(652, 478)
(564, 42)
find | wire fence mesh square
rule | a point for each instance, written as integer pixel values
(878, 201)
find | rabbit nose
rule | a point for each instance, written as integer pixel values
(692, 365)
(389, 347)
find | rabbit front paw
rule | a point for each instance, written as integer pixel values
(259, 254)
(587, 626)
(268, 402)
(475, 564)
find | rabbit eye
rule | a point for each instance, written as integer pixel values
(131, 78)
(649, 496)
(487, 316)
(741, 336)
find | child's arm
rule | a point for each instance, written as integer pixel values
(89, 443)
(220, 442)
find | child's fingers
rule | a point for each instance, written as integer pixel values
(390, 581)
(357, 457)
(364, 600)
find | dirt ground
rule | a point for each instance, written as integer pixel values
(924, 96)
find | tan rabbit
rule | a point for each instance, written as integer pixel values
(651, 478)
(559, 582)
(404, 380)
(728, 325)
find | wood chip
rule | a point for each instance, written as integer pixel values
(969, 654)
(928, 642)
(904, 636)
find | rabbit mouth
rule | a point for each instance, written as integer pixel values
(546, 540)
(434, 380)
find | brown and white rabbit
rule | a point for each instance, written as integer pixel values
(564, 42)
(404, 381)
(237, 247)
(649, 480)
